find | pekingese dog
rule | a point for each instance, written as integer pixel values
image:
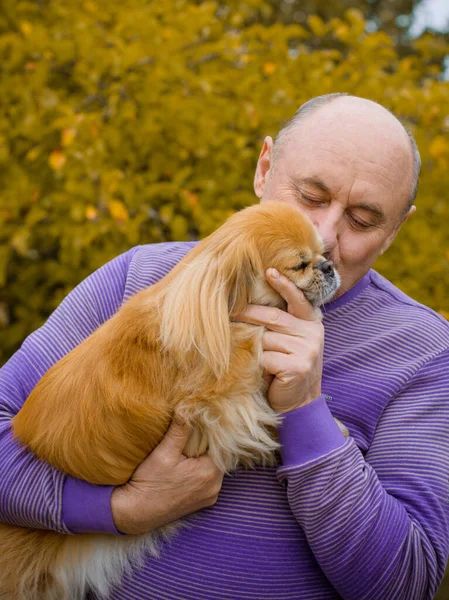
(172, 349)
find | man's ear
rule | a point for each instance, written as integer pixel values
(263, 167)
(395, 231)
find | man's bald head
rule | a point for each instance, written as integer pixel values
(347, 105)
(350, 165)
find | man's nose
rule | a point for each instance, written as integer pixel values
(327, 225)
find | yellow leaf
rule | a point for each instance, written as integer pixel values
(355, 16)
(316, 25)
(118, 211)
(269, 68)
(179, 227)
(90, 7)
(192, 199)
(439, 147)
(94, 130)
(57, 160)
(342, 32)
(240, 141)
(26, 28)
(67, 136)
(407, 63)
(253, 114)
(237, 19)
(77, 212)
(91, 212)
(128, 111)
(166, 213)
(33, 153)
(19, 241)
(205, 86)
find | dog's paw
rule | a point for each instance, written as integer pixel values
(197, 444)
(232, 430)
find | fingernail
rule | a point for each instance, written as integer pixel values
(273, 273)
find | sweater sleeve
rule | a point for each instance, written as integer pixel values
(378, 525)
(33, 493)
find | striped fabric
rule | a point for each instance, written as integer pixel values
(360, 519)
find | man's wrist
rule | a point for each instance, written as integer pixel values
(122, 507)
(304, 401)
(86, 508)
(308, 433)
(282, 410)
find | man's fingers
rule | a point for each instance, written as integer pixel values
(275, 319)
(282, 342)
(176, 438)
(298, 305)
(278, 364)
(268, 378)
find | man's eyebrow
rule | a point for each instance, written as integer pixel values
(377, 212)
(316, 182)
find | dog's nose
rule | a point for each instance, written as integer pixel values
(326, 267)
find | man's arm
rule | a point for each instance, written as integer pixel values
(166, 486)
(31, 492)
(34, 494)
(378, 526)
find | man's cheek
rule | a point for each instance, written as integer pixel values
(360, 254)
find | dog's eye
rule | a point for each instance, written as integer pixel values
(301, 266)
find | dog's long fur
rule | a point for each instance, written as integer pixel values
(171, 349)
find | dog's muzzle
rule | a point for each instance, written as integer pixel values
(331, 280)
(327, 268)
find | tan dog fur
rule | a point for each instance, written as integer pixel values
(172, 349)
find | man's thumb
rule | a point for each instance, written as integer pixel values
(176, 437)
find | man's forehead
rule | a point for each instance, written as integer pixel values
(370, 175)
(342, 147)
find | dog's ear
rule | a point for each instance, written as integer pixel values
(199, 302)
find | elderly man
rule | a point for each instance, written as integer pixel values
(364, 517)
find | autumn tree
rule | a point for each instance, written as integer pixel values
(125, 123)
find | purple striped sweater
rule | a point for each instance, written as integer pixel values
(360, 519)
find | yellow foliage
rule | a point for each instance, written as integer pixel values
(127, 123)
(118, 211)
(91, 212)
(67, 136)
(269, 68)
(439, 147)
(57, 160)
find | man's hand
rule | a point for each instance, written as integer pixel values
(293, 346)
(166, 486)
